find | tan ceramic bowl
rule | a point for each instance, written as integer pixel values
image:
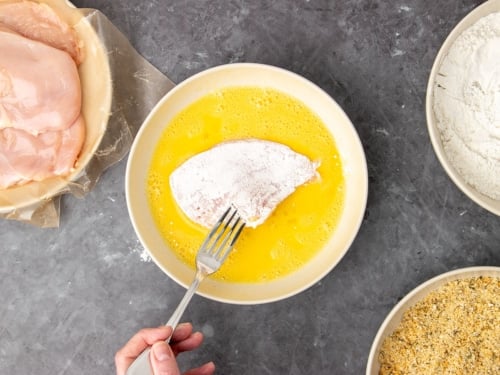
(96, 103)
(484, 201)
(392, 320)
(347, 141)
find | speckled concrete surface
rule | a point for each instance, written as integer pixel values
(72, 296)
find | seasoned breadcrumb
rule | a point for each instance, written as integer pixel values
(454, 330)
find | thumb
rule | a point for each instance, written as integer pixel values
(163, 360)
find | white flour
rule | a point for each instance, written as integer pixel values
(467, 105)
(143, 253)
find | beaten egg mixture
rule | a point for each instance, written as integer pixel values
(300, 225)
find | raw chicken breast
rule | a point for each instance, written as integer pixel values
(39, 86)
(39, 22)
(72, 140)
(25, 157)
(253, 175)
(42, 130)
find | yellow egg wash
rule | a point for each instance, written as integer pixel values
(301, 224)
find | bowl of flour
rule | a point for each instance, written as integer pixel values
(463, 105)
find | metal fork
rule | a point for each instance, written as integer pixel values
(211, 254)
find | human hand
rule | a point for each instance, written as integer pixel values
(162, 355)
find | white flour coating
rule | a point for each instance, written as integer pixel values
(467, 105)
(253, 175)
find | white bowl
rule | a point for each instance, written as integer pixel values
(392, 320)
(96, 86)
(347, 141)
(484, 201)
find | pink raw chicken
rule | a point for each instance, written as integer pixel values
(39, 85)
(25, 157)
(39, 22)
(42, 130)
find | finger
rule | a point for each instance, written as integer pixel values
(182, 332)
(136, 345)
(142, 339)
(163, 360)
(206, 369)
(121, 364)
(190, 343)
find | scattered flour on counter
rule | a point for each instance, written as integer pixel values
(208, 330)
(143, 253)
(467, 105)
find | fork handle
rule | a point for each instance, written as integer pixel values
(141, 365)
(176, 316)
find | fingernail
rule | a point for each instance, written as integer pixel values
(161, 351)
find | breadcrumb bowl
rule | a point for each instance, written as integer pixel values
(423, 309)
(95, 79)
(255, 75)
(484, 201)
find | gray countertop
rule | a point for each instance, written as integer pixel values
(72, 296)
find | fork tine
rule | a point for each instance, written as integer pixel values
(221, 229)
(238, 231)
(215, 228)
(235, 237)
(227, 229)
(227, 236)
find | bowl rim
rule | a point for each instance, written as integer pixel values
(363, 199)
(413, 297)
(488, 7)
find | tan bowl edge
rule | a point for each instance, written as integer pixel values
(248, 74)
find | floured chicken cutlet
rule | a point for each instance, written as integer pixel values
(251, 174)
(41, 127)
